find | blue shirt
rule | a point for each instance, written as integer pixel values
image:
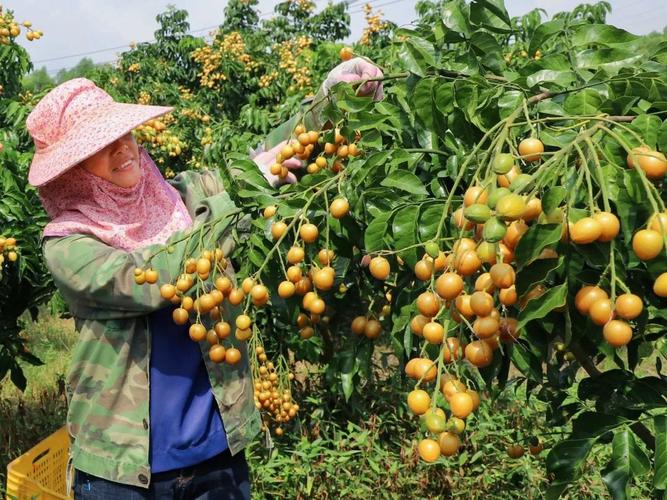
(185, 424)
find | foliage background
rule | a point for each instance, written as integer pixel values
(469, 66)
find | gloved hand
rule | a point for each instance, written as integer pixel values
(265, 159)
(355, 70)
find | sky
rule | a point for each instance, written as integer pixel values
(72, 27)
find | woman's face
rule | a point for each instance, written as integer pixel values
(118, 162)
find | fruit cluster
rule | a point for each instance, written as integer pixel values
(10, 29)
(470, 304)
(8, 249)
(267, 79)
(273, 395)
(304, 5)
(594, 302)
(374, 24)
(214, 287)
(461, 401)
(295, 59)
(319, 153)
(155, 132)
(230, 47)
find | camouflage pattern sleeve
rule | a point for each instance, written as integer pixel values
(97, 280)
(194, 186)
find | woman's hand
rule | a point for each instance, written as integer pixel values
(356, 70)
(265, 159)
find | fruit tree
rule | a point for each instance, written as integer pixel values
(497, 220)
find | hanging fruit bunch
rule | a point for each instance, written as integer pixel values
(10, 29)
(8, 250)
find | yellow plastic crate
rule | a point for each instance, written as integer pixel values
(40, 473)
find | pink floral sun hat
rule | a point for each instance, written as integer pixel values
(74, 121)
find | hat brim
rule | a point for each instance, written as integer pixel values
(88, 137)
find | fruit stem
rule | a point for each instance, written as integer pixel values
(527, 115)
(589, 185)
(326, 233)
(295, 218)
(648, 187)
(462, 172)
(440, 366)
(598, 169)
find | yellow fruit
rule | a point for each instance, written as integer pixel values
(617, 333)
(461, 404)
(339, 208)
(449, 443)
(433, 332)
(419, 401)
(358, 325)
(647, 244)
(660, 285)
(586, 230)
(379, 268)
(531, 149)
(429, 450)
(610, 225)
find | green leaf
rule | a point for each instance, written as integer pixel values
(602, 34)
(594, 424)
(429, 219)
(348, 368)
(486, 44)
(527, 362)
(405, 233)
(405, 181)
(565, 458)
(662, 137)
(627, 460)
(418, 54)
(454, 19)
(647, 126)
(536, 239)
(560, 78)
(536, 309)
(543, 32)
(535, 273)
(553, 198)
(491, 14)
(660, 477)
(375, 232)
(509, 102)
(422, 98)
(584, 102)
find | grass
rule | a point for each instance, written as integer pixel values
(28, 417)
(332, 452)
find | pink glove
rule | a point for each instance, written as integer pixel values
(355, 70)
(265, 159)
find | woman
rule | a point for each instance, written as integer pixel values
(150, 415)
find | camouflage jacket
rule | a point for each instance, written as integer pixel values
(108, 380)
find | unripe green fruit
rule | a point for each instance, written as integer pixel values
(503, 163)
(435, 423)
(477, 213)
(432, 249)
(496, 194)
(494, 230)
